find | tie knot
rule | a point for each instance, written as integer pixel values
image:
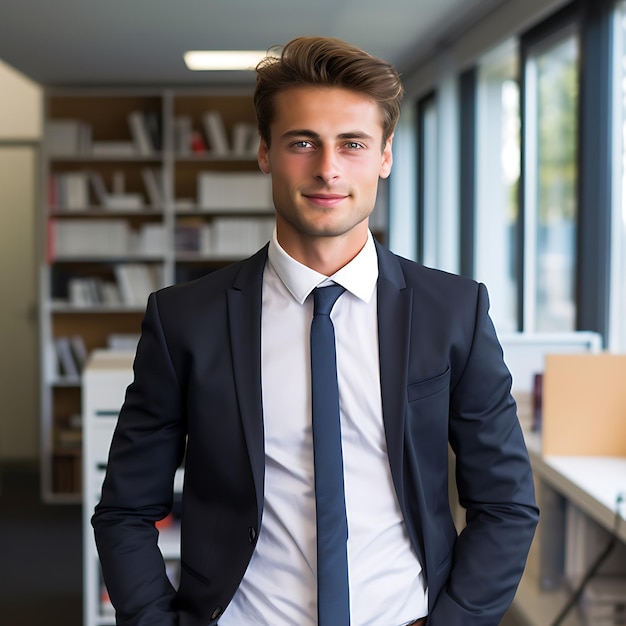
(325, 297)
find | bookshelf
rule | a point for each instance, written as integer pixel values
(140, 189)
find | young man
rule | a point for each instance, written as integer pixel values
(223, 377)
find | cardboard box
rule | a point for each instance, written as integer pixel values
(584, 405)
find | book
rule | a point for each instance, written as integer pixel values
(79, 351)
(79, 292)
(187, 238)
(67, 364)
(234, 190)
(136, 282)
(239, 236)
(183, 128)
(139, 133)
(216, 133)
(67, 138)
(153, 125)
(153, 187)
(71, 190)
(91, 238)
(98, 188)
(151, 240)
(110, 294)
(245, 140)
(124, 201)
(113, 149)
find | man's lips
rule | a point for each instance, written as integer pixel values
(326, 200)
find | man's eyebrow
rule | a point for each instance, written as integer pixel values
(356, 134)
(300, 132)
(303, 132)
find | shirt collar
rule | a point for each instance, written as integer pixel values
(358, 277)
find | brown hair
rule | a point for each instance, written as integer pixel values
(326, 62)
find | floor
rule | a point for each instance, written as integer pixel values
(40, 554)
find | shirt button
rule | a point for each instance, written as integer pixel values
(216, 613)
(252, 534)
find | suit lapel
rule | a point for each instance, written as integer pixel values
(394, 315)
(244, 314)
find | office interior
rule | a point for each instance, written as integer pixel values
(509, 167)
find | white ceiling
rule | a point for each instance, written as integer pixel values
(141, 42)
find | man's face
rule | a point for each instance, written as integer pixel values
(326, 158)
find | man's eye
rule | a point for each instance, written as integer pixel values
(302, 144)
(354, 145)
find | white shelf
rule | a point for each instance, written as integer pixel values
(106, 376)
(95, 158)
(59, 307)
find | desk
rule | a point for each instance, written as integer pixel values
(591, 483)
(578, 498)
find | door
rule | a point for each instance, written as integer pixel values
(19, 371)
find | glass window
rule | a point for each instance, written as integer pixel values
(497, 181)
(550, 185)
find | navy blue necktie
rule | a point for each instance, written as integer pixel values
(333, 603)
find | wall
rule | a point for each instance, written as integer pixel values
(20, 131)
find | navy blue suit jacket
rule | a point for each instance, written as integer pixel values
(197, 394)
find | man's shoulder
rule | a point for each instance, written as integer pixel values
(418, 275)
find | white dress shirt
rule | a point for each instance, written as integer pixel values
(279, 587)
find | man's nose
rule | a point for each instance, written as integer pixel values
(327, 166)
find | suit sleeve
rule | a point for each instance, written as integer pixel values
(147, 448)
(495, 486)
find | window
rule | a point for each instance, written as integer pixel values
(550, 183)
(497, 182)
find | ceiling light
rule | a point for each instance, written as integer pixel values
(223, 59)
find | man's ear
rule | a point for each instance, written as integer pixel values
(263, 157)
(387, 159)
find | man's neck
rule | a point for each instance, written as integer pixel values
(325, 255)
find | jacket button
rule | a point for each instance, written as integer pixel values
(216, 613)
(252, 534)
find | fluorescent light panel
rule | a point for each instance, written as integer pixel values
(203, 60)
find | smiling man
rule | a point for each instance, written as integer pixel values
(313, 391)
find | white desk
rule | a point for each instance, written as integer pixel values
(592, 483)
(592, 486)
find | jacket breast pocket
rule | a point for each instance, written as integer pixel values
(430, 387)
